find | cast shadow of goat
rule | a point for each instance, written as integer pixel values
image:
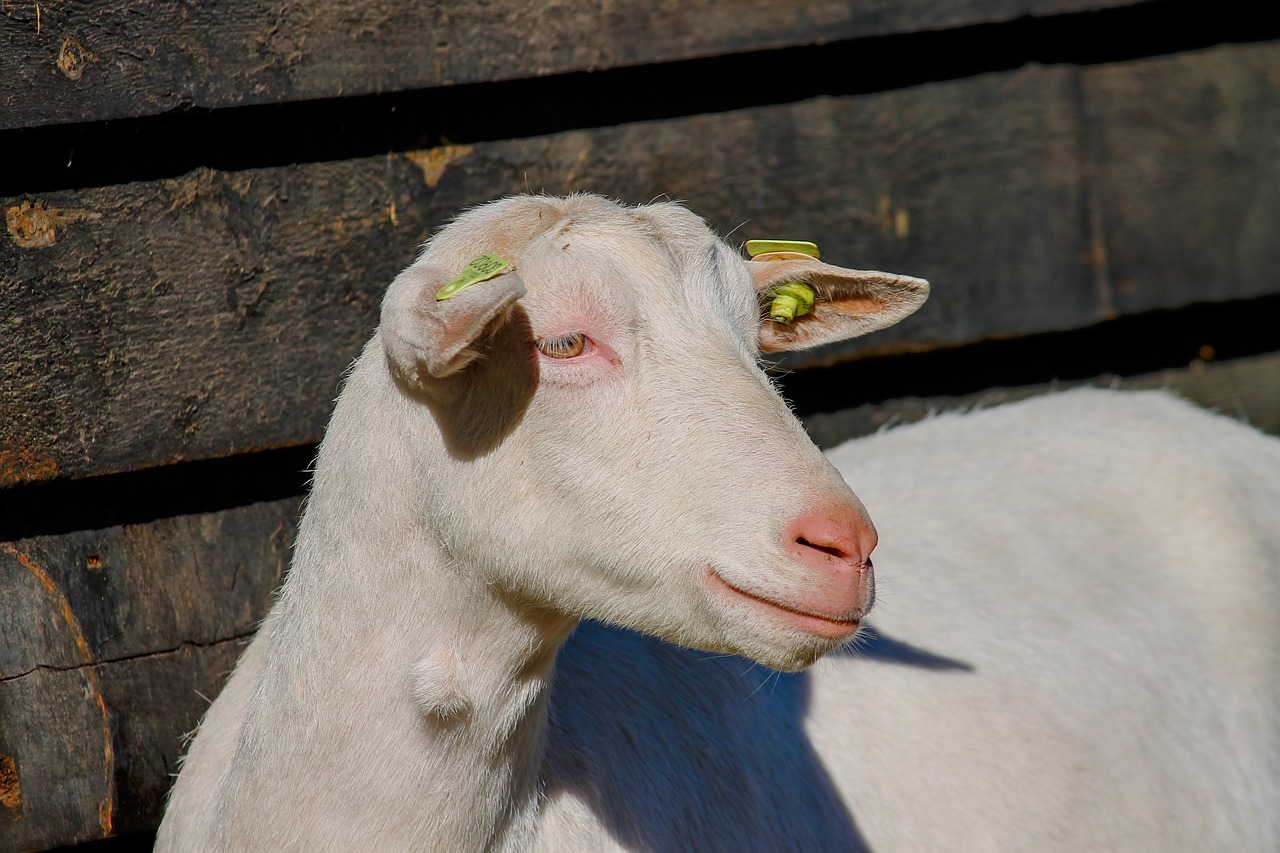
(677, 750)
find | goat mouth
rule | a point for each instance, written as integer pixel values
(815, 624)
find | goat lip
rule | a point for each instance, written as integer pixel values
(814, 624)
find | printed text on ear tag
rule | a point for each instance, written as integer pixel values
(481, 269)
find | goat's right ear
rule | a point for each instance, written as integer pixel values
(844, 303)
(428, 338)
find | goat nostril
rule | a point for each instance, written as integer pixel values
(838, 553)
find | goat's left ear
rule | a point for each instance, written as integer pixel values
(847, 303)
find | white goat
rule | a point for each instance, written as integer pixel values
(1078, 649)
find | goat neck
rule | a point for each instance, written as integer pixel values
(431, 684)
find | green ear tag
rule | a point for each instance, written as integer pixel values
(764, 247)
(481, 269)
(791, 300)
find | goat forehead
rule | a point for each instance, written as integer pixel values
(655, 264)
(689, 279)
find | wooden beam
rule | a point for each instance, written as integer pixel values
(213, 314)
(112, 640)
(93, 60)
(1184, 175)
(88, 752)
(100, 595)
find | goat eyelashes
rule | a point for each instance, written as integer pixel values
(568, 345)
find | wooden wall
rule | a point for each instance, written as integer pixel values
(204, 202)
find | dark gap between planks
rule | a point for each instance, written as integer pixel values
(151, 148)
(148, 494)
(1128, 346)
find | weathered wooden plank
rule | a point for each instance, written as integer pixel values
(88, 740)
(88, 60)
(88, 752)
(108, 640)
(1178, 197)
(1245, 388)
(100, 595)
(1185, 177)
(203, 316)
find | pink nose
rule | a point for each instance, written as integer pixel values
(836, 542)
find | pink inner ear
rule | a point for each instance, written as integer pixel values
(776, 337)
(849, 303)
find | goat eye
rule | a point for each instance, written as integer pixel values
(563, 346)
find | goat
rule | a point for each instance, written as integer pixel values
(538, 496)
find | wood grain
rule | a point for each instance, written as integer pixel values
(120, 592)
(111, 640)
(93, 60)
(91, 749)
(1186, 172)
(147, 323)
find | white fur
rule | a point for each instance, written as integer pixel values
(1076, 646)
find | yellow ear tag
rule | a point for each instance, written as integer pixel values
(767, 247)
(481, 269)
(791, 300)
(794, 298)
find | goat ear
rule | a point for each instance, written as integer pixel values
(428, 338)
(847, 303)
